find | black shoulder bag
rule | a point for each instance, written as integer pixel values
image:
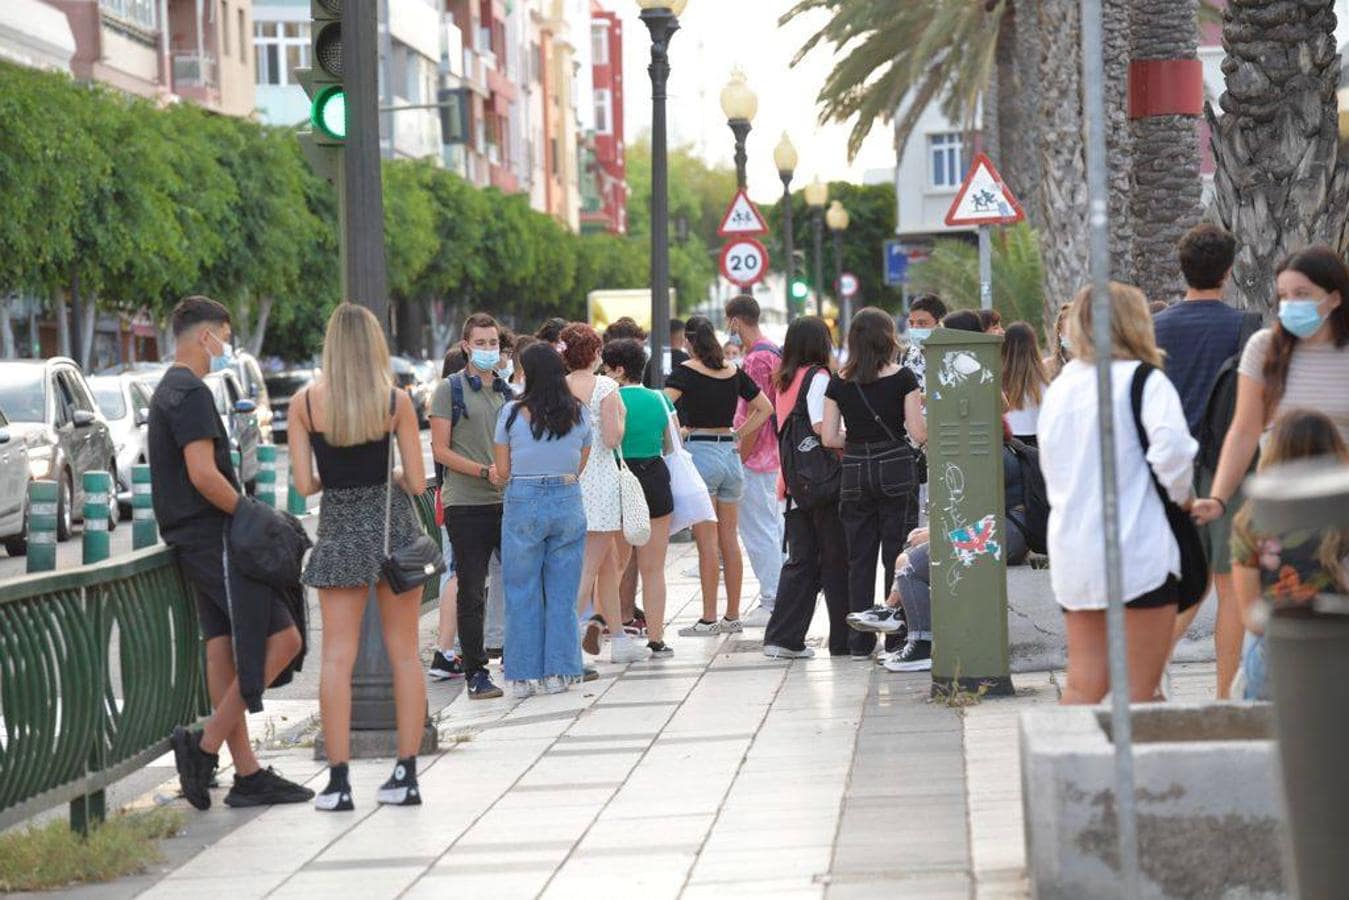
(411, 566)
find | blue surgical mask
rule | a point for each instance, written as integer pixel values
(918, 335)
(1302, 318)
(485, 360)
(507, 370)
(225, 359)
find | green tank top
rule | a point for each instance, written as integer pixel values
(648, 412)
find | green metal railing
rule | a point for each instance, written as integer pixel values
(69, 724)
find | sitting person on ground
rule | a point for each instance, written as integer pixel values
(1287, 570)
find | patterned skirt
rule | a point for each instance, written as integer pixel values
(350, 547)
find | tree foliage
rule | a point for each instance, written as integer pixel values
(952, 273)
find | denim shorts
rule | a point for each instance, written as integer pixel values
(718, 462)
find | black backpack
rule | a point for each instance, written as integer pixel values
(1034, 497)
(1222, 400)
(810, 470)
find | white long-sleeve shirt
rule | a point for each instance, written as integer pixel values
(1071, 462)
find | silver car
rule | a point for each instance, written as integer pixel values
(124, 401)
(14, 480)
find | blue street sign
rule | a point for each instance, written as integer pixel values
(896, 263)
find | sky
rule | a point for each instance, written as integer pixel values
(717, 35)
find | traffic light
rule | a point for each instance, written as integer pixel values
(799, 289)
(322, 82)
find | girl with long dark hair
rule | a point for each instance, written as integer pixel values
(542, 445)
(705, 389)
(817, 553)
(1302, 362)
(1024, 380)
(877, 403)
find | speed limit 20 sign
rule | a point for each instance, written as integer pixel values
(744, 261)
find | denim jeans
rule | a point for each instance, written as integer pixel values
(761, 531)
(1255, 666)
(543, 537)
(914, 581)
(718, 462)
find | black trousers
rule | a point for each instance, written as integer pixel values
(817, 559)
(475, 534)
(878, 506)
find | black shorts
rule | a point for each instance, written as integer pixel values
(655, 479)
(201, 557)
(1166, 595)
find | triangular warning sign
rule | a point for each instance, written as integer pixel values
(983, 199)
(742, 218)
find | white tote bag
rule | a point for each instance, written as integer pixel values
(692, 502)
(632, 504)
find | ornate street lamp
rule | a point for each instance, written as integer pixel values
(837, 219)
(662, 20)
(785, 158)
(740, 105)
(817, 195)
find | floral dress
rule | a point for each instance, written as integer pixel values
(599, 481)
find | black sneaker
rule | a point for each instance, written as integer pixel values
(401, 788)
(336, 797)
(494, 653)
(443, 667)
(480, 686)
(195, 766)
(266, 787)
(590, 673)
(660, 649)
(916, 656)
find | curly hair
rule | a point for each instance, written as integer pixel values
(581, 343)
(627, 354)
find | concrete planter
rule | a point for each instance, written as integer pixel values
(1209, 804)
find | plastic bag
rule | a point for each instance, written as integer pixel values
(692, 502)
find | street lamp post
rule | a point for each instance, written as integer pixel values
(784, 156)
(817, 195)
(740, 105)
(661, 18)
(837, 218)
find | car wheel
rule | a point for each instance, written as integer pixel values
(18, 544)
(64, 501)
(114, 511)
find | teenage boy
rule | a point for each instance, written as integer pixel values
(760, 517)
(464, 412)
(195, 492)
(925, 314)
(678, 354)
(1198, 336)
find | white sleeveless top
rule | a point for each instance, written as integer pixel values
(599, 481)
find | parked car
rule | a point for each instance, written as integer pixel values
(237, 412)
(51, 409)
(281, 387)
(254, 387)
(14, 480)
(124, 401)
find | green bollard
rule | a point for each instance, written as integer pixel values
(296, 503)
(42, 499)
(237, 461)
(144, 528)
(966, 512)
(267, 474)
(97, 496)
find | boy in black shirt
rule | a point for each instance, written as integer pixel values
(195, 492)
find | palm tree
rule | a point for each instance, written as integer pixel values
(952, 272)
(1281, 183)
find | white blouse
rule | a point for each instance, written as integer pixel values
(1070, 460)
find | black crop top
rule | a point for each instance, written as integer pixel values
(708, 402)
(886, 396)
(360, 465)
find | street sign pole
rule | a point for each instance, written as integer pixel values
(985, 268)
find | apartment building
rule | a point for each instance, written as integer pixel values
(604, 172)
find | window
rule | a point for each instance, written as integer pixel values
(599, 43)
(604, 111)
(947, 162)
(243, 44)
(282, 47)
(225, 29)
(141, 13)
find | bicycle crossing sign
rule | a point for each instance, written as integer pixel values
(742, 218)
(983, 199)
(744, 261)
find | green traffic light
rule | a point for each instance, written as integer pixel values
(329, 113)
(800, 290)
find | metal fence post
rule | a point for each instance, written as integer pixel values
(144, 528)
(42, 500)
(267, 474)
(97, 495)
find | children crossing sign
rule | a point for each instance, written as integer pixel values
(742, 218)
(983, 199)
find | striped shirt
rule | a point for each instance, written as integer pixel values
(1318, 378)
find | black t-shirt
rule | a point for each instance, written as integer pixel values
(708, 402)
(886, 396)
(182, 410)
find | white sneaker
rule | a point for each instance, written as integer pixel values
(521, 690)
(628, 651)
(701, 629)
(773, 651)
(730, 626)
(554, 684)
(758, 617)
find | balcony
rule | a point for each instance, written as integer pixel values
(193, 70)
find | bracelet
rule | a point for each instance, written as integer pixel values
(1221, 502)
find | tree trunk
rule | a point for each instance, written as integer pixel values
(260, 328)
(6, 330)
(86, 308)
(62, 325)
(1021, 127)
(1280, 183)
(1119, 145)
(1001, 97)
(1167, 191)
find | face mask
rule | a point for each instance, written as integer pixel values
(485, 360)
(918, 335)
(1302, 318)
(738, 362)
(507, 370)
(226, 358)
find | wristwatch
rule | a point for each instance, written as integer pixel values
(484, 473)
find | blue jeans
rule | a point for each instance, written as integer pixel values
(1255, 663)
(543, 534)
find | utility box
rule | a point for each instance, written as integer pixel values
(966, 512)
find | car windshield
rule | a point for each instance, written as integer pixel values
(282, 386)
(108, 396)
(22, 395)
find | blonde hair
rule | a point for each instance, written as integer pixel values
(357, 376)
(1131, 334)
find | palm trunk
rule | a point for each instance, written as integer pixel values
(1167, 190)
(1119, 141)
(1022, 142)
(1280, 183)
